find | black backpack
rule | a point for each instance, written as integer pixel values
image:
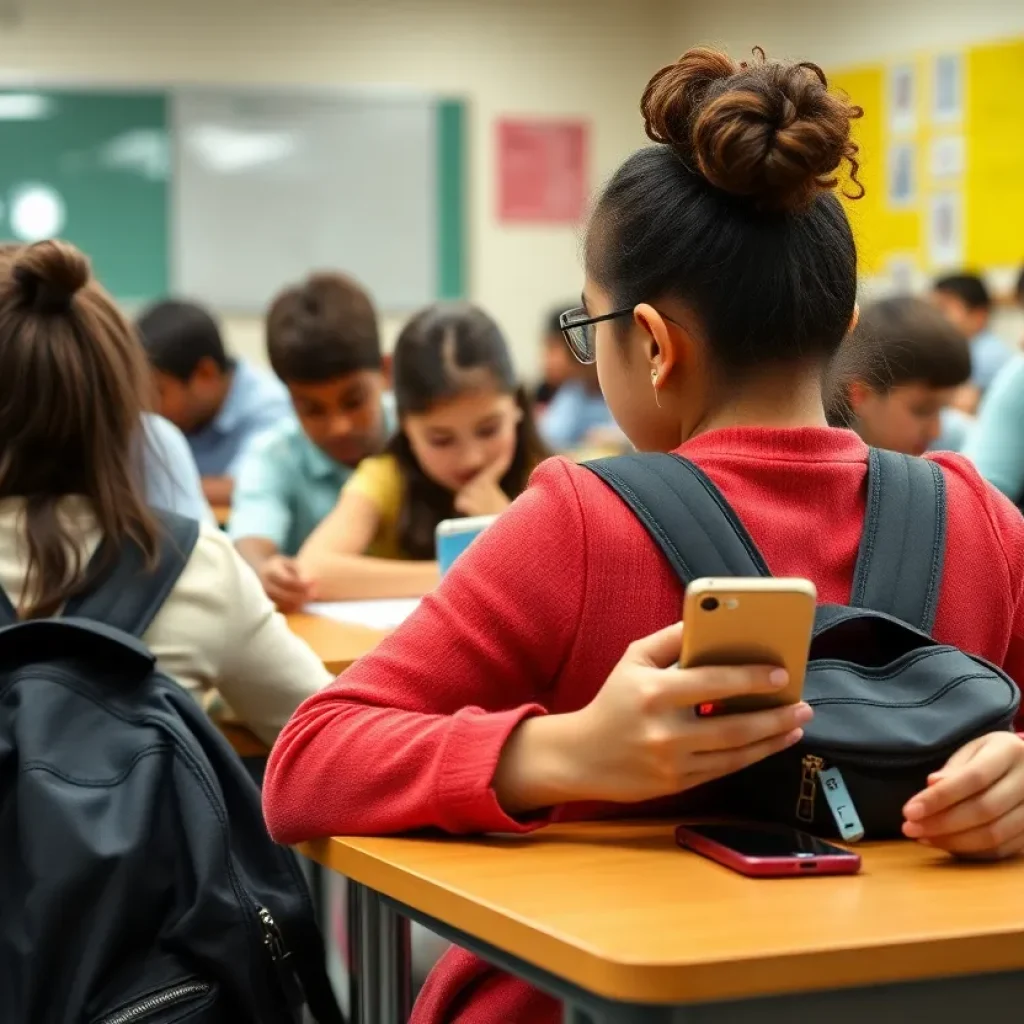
(137, 879)
(891, 704)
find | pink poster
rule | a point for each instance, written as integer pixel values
(542, 171)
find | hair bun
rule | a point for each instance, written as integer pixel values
(768, 131)
(49, 274)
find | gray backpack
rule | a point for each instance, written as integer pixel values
(891, 704)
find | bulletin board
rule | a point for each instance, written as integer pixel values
(942, 159)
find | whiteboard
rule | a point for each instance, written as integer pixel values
(271, 186)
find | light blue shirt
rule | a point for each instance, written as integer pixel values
(256, 401)
(955, 428)
(996, 444)
(169, 471)
(573, 413)
(988, 356)
(285, 486)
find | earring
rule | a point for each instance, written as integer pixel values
(654, 384)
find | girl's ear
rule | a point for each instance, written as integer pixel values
(858, 392)
(667, 344)
(855, 319)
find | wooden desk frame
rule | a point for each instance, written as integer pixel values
(381, 985)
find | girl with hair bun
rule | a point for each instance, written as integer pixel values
(74, 376)
(539, 681)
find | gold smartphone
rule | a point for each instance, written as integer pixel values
(752, 621)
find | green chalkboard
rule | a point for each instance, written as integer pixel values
(94, 168)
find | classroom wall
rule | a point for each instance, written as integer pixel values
(834, 34)
(570, 58)
(840, 35)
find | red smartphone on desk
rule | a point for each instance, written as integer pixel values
(767, 851)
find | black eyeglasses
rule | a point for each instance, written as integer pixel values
(579, 330)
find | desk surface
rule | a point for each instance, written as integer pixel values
(338, 646)
(617, 909)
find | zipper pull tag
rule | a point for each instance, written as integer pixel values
(841, 804)
(808, 794)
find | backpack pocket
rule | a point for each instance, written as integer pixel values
(879, 731)
(190, 1001)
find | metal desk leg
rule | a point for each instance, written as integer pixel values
(380, 986)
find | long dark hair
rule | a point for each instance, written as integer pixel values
(70, 416)
(442, 352)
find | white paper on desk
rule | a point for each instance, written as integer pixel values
(375, 614)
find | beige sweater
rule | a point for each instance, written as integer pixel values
(216, 630)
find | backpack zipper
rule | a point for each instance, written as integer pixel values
(837, 796)
(272, 937)
(280, 956)
(808, 794)
(158, 1001)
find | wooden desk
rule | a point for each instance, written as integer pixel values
(338, 645)
(616, 921)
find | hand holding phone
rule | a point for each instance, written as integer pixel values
(741, 621)
(640, 738)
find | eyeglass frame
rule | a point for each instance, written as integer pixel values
(590, 321)
(586, 322)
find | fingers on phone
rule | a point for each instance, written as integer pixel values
(715, 763)
(697, 686)
(738, 732)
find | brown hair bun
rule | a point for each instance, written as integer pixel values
(49, 274)
(765, 130)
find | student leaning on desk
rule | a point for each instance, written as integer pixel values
(465, 446)
(220, 404)
(63, 339)
(538, 680)
(324, 345)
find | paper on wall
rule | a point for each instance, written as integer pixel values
(947, 156)
(902, 99)
(945, 230)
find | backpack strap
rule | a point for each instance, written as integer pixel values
(128, 595)
(903, 545)
(684, 513)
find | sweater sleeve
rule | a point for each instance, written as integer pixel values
(410, 736)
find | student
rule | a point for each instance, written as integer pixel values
(220, 404)
(540, 680)
(466, 446)
(898, 373)
(169, 473)
(556, 361)
(323, 344)
(63, 340)
(965, 300)
(578, 415)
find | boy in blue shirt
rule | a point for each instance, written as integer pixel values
(965, 300)
(324, 345)
(893, 379)
(219, 404)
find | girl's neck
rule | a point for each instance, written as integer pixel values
(786, 398)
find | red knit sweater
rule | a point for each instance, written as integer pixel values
(536, 615)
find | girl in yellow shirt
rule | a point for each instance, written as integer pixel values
(466, 446)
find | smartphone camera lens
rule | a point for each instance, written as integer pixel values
(709, 604)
